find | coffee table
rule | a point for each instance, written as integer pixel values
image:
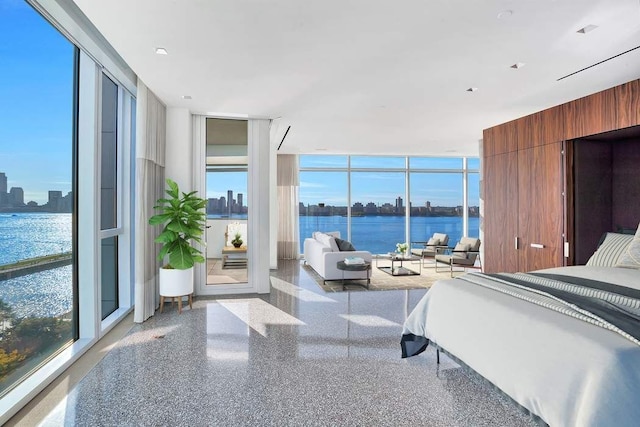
(397, 268)
(342, 266)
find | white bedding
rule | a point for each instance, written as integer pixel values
(566, 371)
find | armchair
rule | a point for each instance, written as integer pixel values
(437, 244)
(464, 255)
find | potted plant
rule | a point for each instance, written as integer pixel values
(237, 240)
(183, 216)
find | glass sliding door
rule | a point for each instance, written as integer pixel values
(227, 196)
(38, 78)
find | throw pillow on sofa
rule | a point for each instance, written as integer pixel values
(328, 241)
(344, 245)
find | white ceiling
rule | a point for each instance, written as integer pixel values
(368, 76)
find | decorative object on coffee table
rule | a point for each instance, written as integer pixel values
(237, 240)
(402, 248)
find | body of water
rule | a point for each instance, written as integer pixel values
(379, 234)
(30, 235)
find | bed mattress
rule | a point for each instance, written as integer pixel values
(565, 370)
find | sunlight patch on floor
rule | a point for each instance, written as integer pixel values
(298, 292)
(369, 320)
(259, 315)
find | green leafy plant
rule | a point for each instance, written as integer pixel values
(183, 216)
(237, 240)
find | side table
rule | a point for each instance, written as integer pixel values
(342, 266)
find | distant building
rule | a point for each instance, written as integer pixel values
(4, 197)
(16, 197)
(357, 207)
(55, 199)
(239, 197)
(371, 208)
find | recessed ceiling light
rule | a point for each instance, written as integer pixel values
(518, 65)
(161, 51)
(587, 29)
(186, 96)
(472, 89)
(505, 14)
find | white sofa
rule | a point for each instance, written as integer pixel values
(321, 252)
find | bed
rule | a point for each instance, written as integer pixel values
(558, 361)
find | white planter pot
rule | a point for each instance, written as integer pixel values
(176, 283)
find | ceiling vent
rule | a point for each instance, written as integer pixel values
(285, 135)
(598, 63)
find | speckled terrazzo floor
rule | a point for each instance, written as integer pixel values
(295, 357)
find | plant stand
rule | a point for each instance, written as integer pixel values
(162, 297)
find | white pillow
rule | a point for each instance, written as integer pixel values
(611, 249)
(631, 257)
(328, 241)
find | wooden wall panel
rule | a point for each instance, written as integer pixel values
(628, 104)
(500, 139)
(590, 115)
(500, 220)
(540, 207)
(527, 131)
(551, 126)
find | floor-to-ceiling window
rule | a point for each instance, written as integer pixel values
(436, 198)
(109, 197)
(473, 180)
(323, 195)
(379, 201)
(38, 316)
(66, 134)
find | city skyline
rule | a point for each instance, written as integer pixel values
(386, 208)
(12, 199)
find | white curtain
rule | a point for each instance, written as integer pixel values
(150, 162)
(288, 227)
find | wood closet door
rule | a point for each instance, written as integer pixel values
(500, 222)
(540, 207)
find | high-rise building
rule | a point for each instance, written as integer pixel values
(239, 202)
(4, 197)
(16, 197)
(399, 204)
(229, 199)
(55, 197)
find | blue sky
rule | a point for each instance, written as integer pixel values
(440, 188)
(219, 182)
(36, 90)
